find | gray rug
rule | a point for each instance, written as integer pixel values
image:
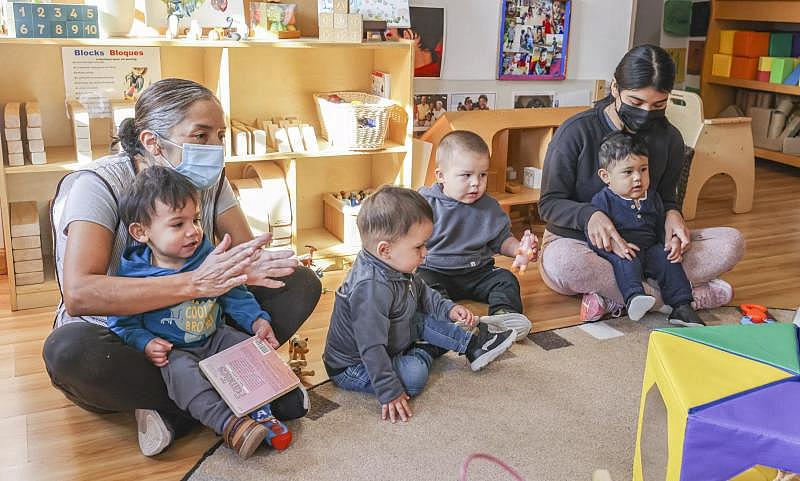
(555, 407)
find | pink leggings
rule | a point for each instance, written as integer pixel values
(569, 266)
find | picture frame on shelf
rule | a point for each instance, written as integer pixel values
(534, 35)
(427, 110)
(472, 101)
(273, 20)
(534, 100)
(209, 13)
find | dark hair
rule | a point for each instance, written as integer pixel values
(430, 28)
(155, 183)
(160, 107)
(463, 140)
(389, 214)
(619, 145)
(646, 66)
(484, 97)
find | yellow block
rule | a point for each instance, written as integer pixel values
(689, 374)
(765, 64)
(726, 41)
(721, 66)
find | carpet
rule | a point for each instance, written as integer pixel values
(555, 407)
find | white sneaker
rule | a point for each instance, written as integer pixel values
(639, 305)
(520, 324)
(154, 436)
(716, 293)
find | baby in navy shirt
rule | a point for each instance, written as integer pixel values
(638, 214)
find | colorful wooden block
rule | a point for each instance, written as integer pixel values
(765, 64)
(726, 41)
(751, 44)
(744, 68)
(762, 76)
(781, 68)
(794, 77)
(24, 219)
(721, 65)
(780, 44)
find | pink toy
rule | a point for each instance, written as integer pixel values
(526, 252)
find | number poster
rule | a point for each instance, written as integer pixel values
(53, 20)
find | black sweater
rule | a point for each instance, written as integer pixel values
(569, 178)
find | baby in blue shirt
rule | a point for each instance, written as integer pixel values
(638, 214)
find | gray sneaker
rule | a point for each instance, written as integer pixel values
(154, 435)
(639, 305)
(520, 324)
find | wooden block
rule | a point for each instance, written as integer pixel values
(27, 254)
(84, 157)
(81, 132)
(259, 141)
(513, 187)
(15, 160)
(78, 114)
(28, 278)
(38, 158)
(295, 139)
(239, 141)
(272, 129)
(341, 6)
(282, 140)
(14, 146)
(83, 145)
(24, 218)
(327, 34)
(11, 115)
(325, 20)
(309, 138)
(340, 35)
(22, 267)
(34, 133)
(26, 242)
(33, 114)
(13, 134)
(284, 124)
(355, 34)
(340, 21)
(36, 145)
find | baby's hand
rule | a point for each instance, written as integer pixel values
(397, 408)
(462, 314)
(527, 251)
(673, 250)
(157, 351)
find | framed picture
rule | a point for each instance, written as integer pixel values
(395, 12)
(210, 13)
(468, 102)
(427, 110)
(535, 100)
(534, 35)
(427, 32)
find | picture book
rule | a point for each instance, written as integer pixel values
(381, 84)
(249, 375)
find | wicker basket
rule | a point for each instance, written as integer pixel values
(360, 126)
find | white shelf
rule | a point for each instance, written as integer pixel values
(307, 42)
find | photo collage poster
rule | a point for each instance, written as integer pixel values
(534, 38)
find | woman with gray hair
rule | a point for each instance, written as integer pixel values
(180, 124)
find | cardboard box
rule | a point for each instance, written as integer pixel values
(721, 65)
(340, 219)
(744, 68)
(726, 41)
(751, 44)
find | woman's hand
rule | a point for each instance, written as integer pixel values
(263, 330)
(270, 264)
(674, 226)
(603, 234)
(225, 267)
(397, 408)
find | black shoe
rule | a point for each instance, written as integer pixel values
(485, 346)
(685, 316)
(433, 351)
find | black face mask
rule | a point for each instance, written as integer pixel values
(636, 119)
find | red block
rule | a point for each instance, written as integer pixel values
(744, 68)
(751, 44)
(762, 76)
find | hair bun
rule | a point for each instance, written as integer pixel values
(128, 138)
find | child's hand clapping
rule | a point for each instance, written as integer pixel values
(462, 314)
(397, 408)
(157, 351)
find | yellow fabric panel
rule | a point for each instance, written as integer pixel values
(700, 374)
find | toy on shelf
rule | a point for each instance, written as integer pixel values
(26, 243)
(755, 314)
(341, 25)
(23, 133)
(526, 252)
(273, 20)
(298, 348)
(276, 135)
(352, 198)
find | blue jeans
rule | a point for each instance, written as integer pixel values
(413, 365)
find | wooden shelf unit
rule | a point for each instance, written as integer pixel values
(252, 79)
(764, 15)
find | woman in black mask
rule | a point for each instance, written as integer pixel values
(638, 101)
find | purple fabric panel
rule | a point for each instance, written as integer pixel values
(761, 427)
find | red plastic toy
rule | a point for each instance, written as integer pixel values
(758, 314)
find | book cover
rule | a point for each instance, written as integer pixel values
(249, 375)
(381, 84)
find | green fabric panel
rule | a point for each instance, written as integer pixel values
(678, 17)
(780, 45)
(774, 344)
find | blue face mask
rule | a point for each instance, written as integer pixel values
(201, 164)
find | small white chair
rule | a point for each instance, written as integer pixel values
(721, 146)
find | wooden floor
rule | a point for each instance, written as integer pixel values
(47, 438)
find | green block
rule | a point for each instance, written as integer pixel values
(678, 17)
(780, 45)
(781, 68)
(773, 344)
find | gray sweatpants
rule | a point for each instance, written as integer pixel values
(187, 386)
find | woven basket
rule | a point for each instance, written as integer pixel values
(360, 126)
